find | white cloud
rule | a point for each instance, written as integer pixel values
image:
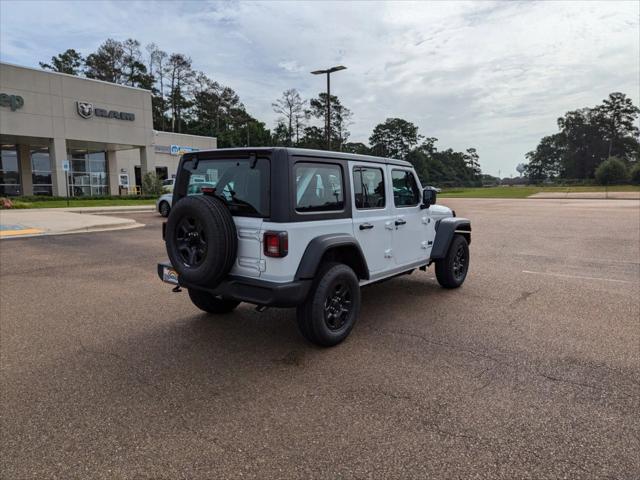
(490, 75)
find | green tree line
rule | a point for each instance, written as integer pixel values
(186, 100)
(598, 143)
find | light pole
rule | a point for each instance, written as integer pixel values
(329, 71)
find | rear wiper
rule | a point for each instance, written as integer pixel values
(241, 203)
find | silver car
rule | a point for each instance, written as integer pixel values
(163, 204)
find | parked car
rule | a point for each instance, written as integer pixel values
(301, 228)
(163, 204)
(167, 185)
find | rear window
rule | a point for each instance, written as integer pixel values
(241, 184)
(368, 187)
(318, 187)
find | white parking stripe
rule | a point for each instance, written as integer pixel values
(577, 276)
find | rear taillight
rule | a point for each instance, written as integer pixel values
(276, 244)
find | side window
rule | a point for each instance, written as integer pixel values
(405, 189)
(368, 187)
(318, 187)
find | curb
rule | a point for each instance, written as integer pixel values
(97, 228)
(150, 208)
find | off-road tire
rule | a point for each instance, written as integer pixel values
(164, 209)
(450, 273)
(209, 303)
(201, 239)
(316, 319)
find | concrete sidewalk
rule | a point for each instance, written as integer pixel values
(57, 221)
(588, 195)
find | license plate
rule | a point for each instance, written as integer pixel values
(169, 275)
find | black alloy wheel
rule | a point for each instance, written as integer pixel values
(459, 263)
(201, 240)
(332, 306)
(451, 271)
(191, 241)
(337, 306)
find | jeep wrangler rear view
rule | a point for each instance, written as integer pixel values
(288, 227)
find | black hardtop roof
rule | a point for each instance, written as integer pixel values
(305, 152)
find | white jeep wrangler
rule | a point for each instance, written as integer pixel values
(288, 227)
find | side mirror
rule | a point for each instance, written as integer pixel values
(428, 197)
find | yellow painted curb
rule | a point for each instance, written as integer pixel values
(25, 231)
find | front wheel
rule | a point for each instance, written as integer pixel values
(332, 307)
(452, 269)
(210, 303)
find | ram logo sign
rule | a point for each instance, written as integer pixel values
(87, 110)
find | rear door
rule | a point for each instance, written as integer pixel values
(244, 185)
(410, 220)
(373, 220)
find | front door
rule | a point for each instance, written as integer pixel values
(410, 219)
(373, 221)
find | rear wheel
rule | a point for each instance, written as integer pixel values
(332, 307)
(210, 303)
(164, 209)
(451, 270)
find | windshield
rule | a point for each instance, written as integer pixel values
(243, 188)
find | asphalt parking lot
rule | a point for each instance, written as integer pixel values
(530, 370)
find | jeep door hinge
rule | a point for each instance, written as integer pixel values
(388, 253)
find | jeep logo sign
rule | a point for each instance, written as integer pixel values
(87, 110)
(14, 102)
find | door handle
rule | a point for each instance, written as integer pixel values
(366, 226)
(400, 221)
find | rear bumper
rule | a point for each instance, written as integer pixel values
(250, 290)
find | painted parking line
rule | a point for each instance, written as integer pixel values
(18, 230)
(579, 277)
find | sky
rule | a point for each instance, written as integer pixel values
(490, 75)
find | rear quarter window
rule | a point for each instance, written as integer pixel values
(319, 187)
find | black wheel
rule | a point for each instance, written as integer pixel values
(201, 239)
(164, 208)
(210, 303)
(452, 269)
(332, 307)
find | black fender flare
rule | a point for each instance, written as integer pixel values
(320, 245)
(445, 229)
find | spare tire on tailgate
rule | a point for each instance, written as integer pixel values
(201, 239)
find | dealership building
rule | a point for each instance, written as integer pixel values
(66, 135)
